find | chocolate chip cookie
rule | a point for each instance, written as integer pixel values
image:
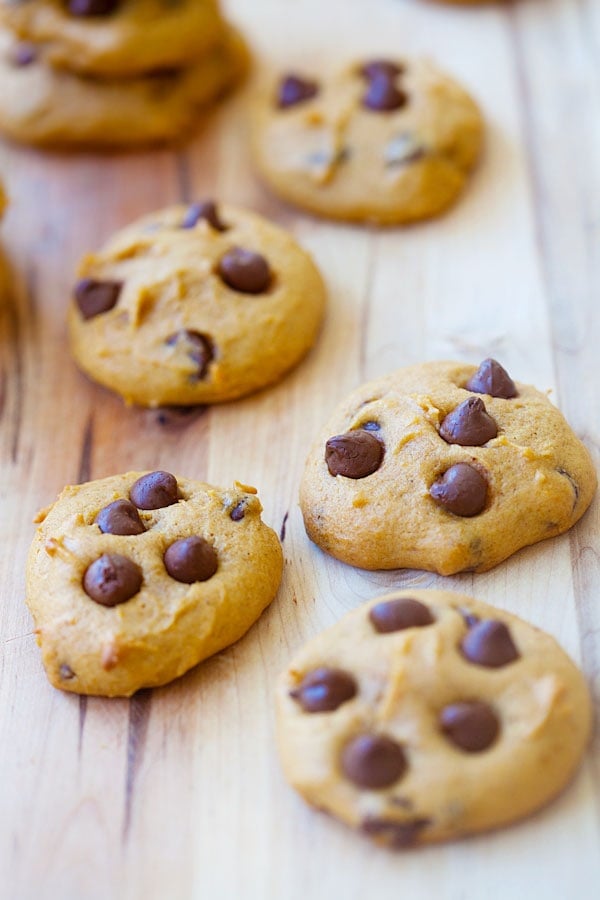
(116, 38)
(195, 305)
(134, 579)
(427, 715)
(386, 141)
(443, 466)
(50, 107)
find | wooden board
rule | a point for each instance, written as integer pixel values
(177, 793)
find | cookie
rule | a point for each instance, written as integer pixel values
(116, 38)
(384, 141)
(443, 466)
(48, 107)
(134, 579)
(425, 716)
(195, 305)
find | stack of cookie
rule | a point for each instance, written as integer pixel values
(112, 73)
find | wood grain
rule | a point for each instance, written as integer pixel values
(177, 793)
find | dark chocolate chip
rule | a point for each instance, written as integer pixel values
(395, 835)
(382, 95)
(112, 579)
(570, 478)
(154, 491)
(461, 490)
(469, 424)
(381, 67)
(489, 643)
(207, 211)
(238, 512)
(371, 426)
(198, 347)
(191, 559)
(23, 54)
(92, 7)
(120, 517)
(324, 690)
(294, 90)
(355, 454)
(396, 615)
(473, 726)
(66, 672)
(491, 378)
(469, 618)
(245, 271)
(96, 297)
(373, 761)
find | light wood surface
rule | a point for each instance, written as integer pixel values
(177, 793)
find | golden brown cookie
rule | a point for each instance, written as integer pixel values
(385, 141)
(195, 305)
(446, 467)
(44, 106)
(116, 38)
(426, 715)
(134, 579)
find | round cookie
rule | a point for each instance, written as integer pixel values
(44, 106)
(116, 38)
(446, 467)
(426, 715)
(195, 305)
(383, 141)
(134, 579)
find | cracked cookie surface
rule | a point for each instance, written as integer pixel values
(446, 467)
(136, 578)
(383, 141)
(426, 715)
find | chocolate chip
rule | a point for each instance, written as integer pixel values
(294, 90)
(396, 615)
(207, 211)
(112, 579)
(381, 67)
(355, 454)
(66, 672)
(324, 690)
(155, 490)
(191, 559)
(489, 643)
(472, 726)
(382, 95)
(92, 7)
(238, 512)
(491, 378)
(371, 426)
(198, 347)
(119, 517)
(23, 54)
(469, 425)
(96, 297)
(373, 761)
(395, 835)
(245, 271)
(468, 617)
(574, 484)
(461, 490)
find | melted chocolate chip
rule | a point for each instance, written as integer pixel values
(469, 618)
(469, 425)
(191, 559)
(198, 347)
(491, 378)
(395, 835)
(461, 490)
(381, 67)
(371, 426)
(66, 672)
(373, 761)
(473, 726)
(23, 54)
(120, 517)
(238, 512)
(155, 490)
(207, 211)
(112, 579)
(96, 297)
(245, 271)
(382, 95)
(396, 615)
(355, 454)
(92, 7)
(324, 690)
(294, 90)
(489, 643)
